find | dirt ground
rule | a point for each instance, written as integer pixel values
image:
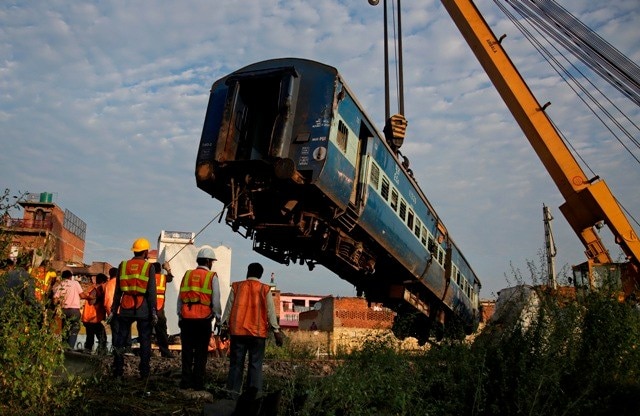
(159, 394)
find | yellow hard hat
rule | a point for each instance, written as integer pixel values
(141, 244)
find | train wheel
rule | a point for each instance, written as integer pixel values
(423, 336)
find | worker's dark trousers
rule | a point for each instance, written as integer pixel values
(96, 330)
(71, 322)
(161, 332)
(144, 338)
(194, 336)
(240, 347)
(114, 330)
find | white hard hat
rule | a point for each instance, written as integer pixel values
(206, 253)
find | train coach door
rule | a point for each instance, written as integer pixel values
(358, 194)
(233, 119)
(258, 115)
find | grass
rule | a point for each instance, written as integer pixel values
(580, 358)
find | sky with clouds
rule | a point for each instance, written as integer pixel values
(102, 105)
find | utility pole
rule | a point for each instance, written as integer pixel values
(550, 247)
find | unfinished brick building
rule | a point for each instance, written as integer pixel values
(341, 324)
(45, 234)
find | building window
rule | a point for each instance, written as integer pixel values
(40, 215)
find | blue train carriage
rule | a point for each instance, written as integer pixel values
(438, 280)
(304, 173)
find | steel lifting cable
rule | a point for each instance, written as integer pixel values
(396, 47)
(593, 63)
(540, 49)
(551, 60)
(201, 230)
(586, 45)
(548, 56)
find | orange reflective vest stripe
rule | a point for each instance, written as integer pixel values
(196, 293)
(133, 282)
(248, 316)
(161, 288)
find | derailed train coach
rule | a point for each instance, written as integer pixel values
(304, 173)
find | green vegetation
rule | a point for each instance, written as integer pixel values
(577, 357)
(33, 379)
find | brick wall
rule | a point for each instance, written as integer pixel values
(70, 247)
(323, 344)
(356, 313)
(60, 243)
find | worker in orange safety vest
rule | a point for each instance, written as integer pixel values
(160, 328)
(93, 313)
(198, 305)
(44, 278)
(134, 300)
(248, 317)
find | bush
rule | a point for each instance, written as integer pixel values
(577, 358)
(32, 375)
(33, 379)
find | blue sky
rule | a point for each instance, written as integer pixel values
(102, 104)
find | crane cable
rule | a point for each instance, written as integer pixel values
(398, 53)
(549, 58)
(564, 74)
(585, 44)
(203, 228)
(591, 61)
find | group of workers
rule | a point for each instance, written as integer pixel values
(248, 317)
(135, 292)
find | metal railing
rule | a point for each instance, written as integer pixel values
(26, 223)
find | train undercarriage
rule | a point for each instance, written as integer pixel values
(285, 230)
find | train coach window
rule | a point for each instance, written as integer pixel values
(416, 230)
(440, 256)
(424, 237)
(403, 209)
(410, 220)
(384, 191)
(458, 277)
(394, 200)
(432, 245)
(375, 176)
(343, 134)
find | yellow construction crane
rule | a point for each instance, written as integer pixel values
(589, 204)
